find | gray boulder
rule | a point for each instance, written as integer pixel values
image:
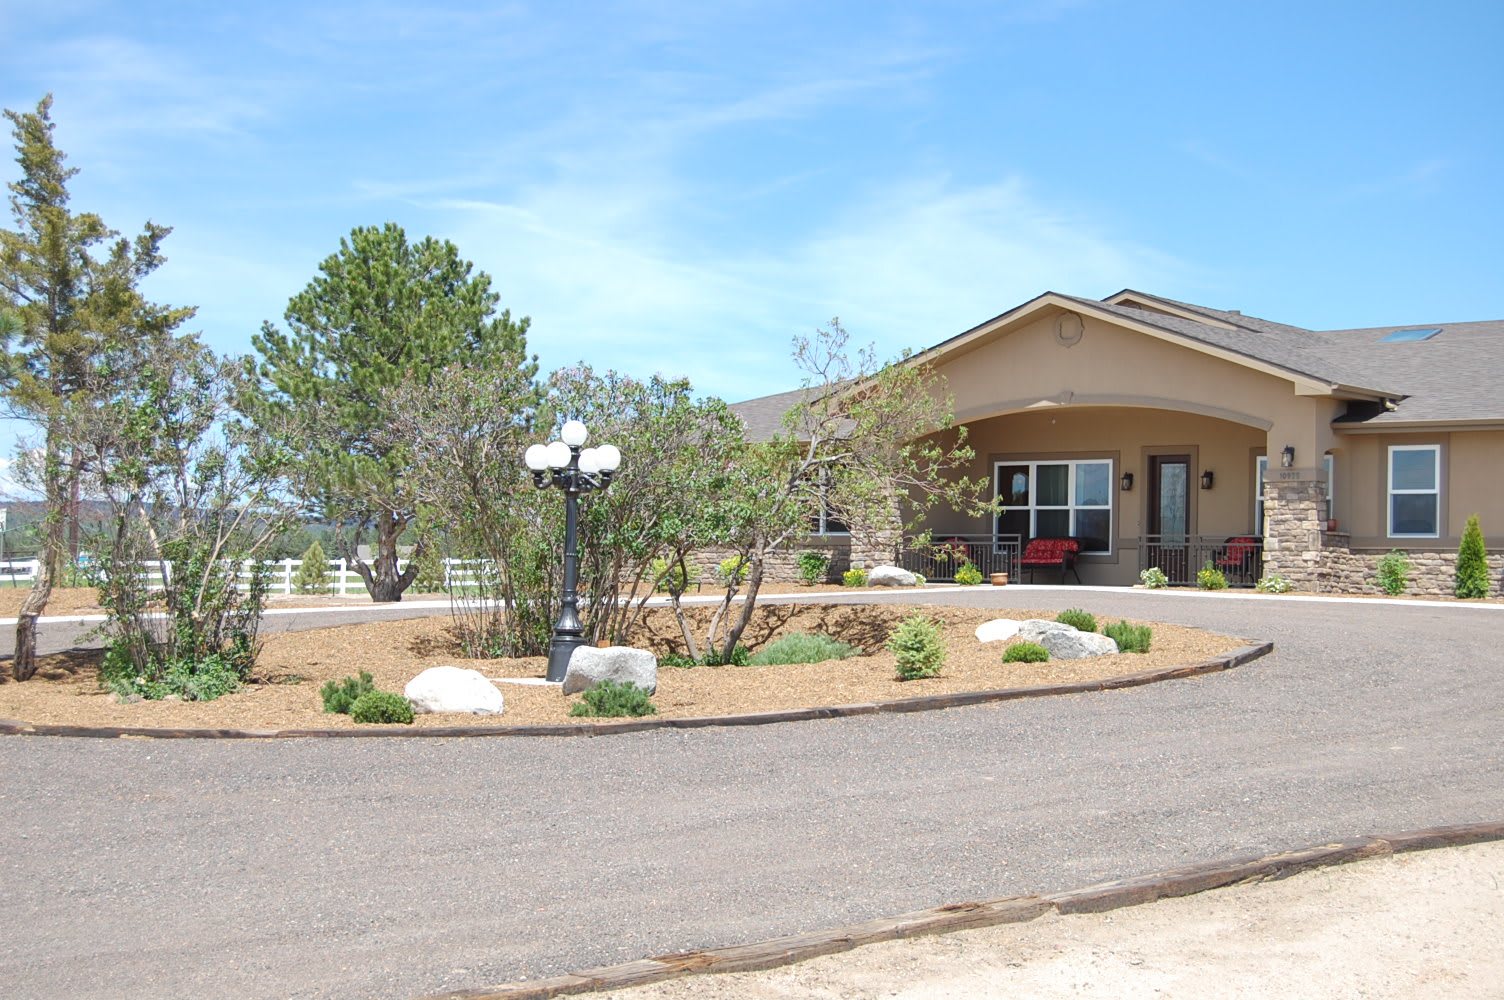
(453, 689)
(622, 664)
(1035, 629)
(890, 576)
(1076, 645)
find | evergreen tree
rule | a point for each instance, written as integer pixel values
(1472, 562)
(382, 313)
(312, 576)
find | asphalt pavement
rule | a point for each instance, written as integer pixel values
(398, 868)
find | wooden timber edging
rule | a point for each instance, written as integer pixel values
(1183, 881)
(923, 703)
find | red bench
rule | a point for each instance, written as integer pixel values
(1051, 553)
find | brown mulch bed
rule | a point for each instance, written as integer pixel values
(284, 693)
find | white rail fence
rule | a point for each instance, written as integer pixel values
(341, 579)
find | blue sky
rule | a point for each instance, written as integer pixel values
(684, 186)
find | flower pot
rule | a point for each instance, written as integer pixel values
(1000, 579)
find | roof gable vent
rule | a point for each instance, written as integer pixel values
(1410, 336)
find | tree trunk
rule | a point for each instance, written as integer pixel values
(754, 584)
(383, 582)
(25, 663)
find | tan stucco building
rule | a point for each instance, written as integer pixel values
(1160, 433)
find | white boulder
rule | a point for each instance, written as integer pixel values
(890, 576)
(998, 630)
(590, 665)
(453, 689)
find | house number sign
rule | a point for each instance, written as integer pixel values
(1297, 475)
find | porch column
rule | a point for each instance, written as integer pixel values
(1294, 516)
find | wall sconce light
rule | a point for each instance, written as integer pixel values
(1287, 457)
(1207, 479)
(1127, 481)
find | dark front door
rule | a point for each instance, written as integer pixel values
(1170, 516)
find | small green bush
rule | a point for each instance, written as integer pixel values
(1026, 652)
(967, 575)
(312, 576)
(666, 578)
(612, 700)
(1153, 578)
(917, 644)
(1130, 638)
(382, 706)
(676, 660)
(1472, 562)
(812, 567)
(920, 580)
(799, 647)
(1394, 572)
(854, 578)
(340, 696)
(207, 680)
(1272, 584)
(732, 569)
(1081, 621)
(740, 657)
(1210, 577)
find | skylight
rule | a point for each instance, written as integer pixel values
(1410, 336)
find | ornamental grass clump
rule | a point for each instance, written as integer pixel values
(1026, 652)
(800, 647)
(382, 706)
(1394, 573)
(613, 700)
(1472, 562)
(917, 644)
(1081, 621)
(1130, 638)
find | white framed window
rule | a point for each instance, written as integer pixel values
(1057, 499)
(1414, 491)
(1258, 491)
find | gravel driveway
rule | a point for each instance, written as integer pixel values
(394, 868)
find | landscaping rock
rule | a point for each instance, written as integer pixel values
(998, 629)
(590, 665)
(1072, 644)
(891, 576)
(1034, 629)
(453, 689)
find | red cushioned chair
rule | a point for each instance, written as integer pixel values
(1051, 553)
(1239, 557)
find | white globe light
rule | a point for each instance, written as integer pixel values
(574, 433)
(608, 457)
(590, 461)
(536, 457)
(558, 455)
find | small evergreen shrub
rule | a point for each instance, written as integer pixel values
(1394, 572)
(732, 569)
(967, 575)
(1130, 638)
(1272, 584)
(1210, 577)
(917, 645)
(312, 576)
(612, 700)
(1153, 578)
(799, 647)
(1026, 652)
(1081, 621)
(854, 578)
(1472, 562)
(812, 567)
(382, 706)
(340, 696)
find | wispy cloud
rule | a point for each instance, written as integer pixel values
(1417, 179)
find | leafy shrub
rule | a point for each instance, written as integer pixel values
(917, 644)
(967, 575)
(1472, 562)
(312, 576)
(341, 696)
(920, 580)
(382, 706)
(676, 660)
(668, 578)
(812, 567)
(1210, 577)
(1394, 572)
(854, 578)
(1026, 652)
(206, 680)
(1154, 578)
(1081, 621)
(799, 647)
(1272, 584)
(612, 700)
(740, 657)
(1130, 638)
(732, 569)
(431, 576)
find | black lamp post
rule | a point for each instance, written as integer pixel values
(575, 469)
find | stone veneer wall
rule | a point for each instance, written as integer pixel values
(1294, 514)
(783, 565)
(1432, 572)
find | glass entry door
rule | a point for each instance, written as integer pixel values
(1170, 516)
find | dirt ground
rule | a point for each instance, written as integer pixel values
(284, 692)
(1422, 925)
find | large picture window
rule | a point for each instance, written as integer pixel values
(1057, 500)
(1414, 491)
